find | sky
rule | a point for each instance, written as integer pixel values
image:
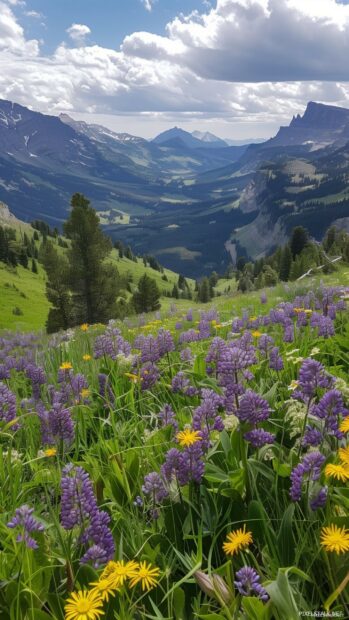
(237, 68)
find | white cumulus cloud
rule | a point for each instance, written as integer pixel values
(237, 62)
(78, 33)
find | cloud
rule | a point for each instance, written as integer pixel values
(78, 33)
(148, 4)
(241, 61)
(12, 37)
(34, 14)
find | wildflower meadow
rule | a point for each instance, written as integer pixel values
(181, 465)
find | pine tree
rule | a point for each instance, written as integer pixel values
(204, 291)
(182, 283)
(23, 258)
(299, 240)
(175, 291)
(94, 283)
(57, 291)
(285, 263)
(146, 298)
(34, 266)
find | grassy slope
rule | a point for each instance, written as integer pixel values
(20, 288)
(23, 289)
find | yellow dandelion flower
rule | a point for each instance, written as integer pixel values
(147, 575)
(84, 327)
(50, 452)
(188, 437)
(119, 572)
(343, 454)
(237, 541)
(344, 426)
(297, 310)
(87, 357)
(256, 334)
(105, 588)
(308, 311)
(85, 393)
(334, 538)
(84, 605)
(340, 472)
(66, 366)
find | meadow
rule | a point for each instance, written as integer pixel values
(191, 464)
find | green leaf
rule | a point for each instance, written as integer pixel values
(282, 595)
(179, 603)
(255, 609)
(38, 614)
(285, 537)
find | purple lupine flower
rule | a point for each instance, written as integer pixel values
(99, 534)
(312, 436)
(263, 298)
(206, 417)
(57, 424)
(4, 372)
(189, 316)
(8, 407)
(324, 325)
(111, 344)
(172, 465)
(259, 437)
(149, 375)
(288, 332)
(37, 376)
(78, 502)
(78, 383)
(179, 325)
(27, 524)
(265, 343)
(79, 508)
(312, 375)
(105, 390)
(217, 347)
(186, 355)
(248, 583)
(253, 408)
(191, 335)
(184, 466)
(165, 342)
(275, 359)
(149, 348)
(329, 408)
(311, 466)
(192, 463)
(319, 500)
(167, 417)
(181, 383)
(154, 487)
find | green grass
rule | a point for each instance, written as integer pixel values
(20, 288)
(119, 439)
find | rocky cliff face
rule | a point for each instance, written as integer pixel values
(6, 217)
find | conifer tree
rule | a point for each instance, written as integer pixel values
(146, 298)
(299, 240)
(285, 263)
(93, 282)
(57, 292)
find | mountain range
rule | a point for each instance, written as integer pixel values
(191, 199)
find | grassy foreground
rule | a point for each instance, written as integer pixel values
(187, 465)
